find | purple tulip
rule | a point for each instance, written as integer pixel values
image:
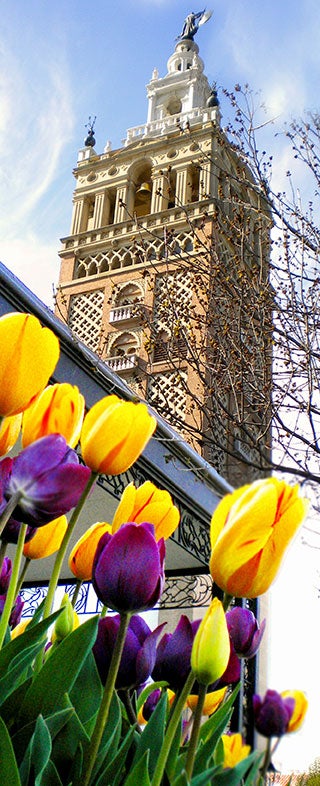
(138, 654)
(173, 661)
(128, 568)
(151, 703)
(10, 533)
(49, 478)
(272, 714)
(244, 631)
(16, 612)
(5, 575)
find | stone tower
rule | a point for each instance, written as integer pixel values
(143, 271)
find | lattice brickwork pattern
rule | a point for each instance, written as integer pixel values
(85, 315)
(219, 439)
(172, 300)
(133, 254)
(166, 392)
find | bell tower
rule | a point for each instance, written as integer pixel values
(144, 225)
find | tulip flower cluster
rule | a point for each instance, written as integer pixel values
(70, 706)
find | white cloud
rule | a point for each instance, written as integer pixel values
(33, 262)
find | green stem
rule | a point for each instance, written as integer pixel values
(226, 601)
(12, 504)
(195, 731)
(59, 560)
(103, 713)
(12, 590)
(23, 573)
(77, 588)
(171, 730)
(63, 548)
(104, 611)
(3, 549)
(266, 761)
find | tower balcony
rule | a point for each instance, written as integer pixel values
(122, 363)
(126, 313)
(169, 124)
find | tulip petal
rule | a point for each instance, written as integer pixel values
(29, 354)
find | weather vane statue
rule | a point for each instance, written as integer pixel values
(192, 23)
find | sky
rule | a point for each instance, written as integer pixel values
(66, 60)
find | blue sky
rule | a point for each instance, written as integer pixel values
(62, 61)
(65, 60)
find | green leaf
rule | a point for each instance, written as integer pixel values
(58, 720)
(9, 773)
(221, 714)
(66, 742)
(11, 707)
(152, 736)
(181, 780)
(86, 692)
(146, 692)
(113, 771)
(59, 672)
(17, 671)
(50, 776)
(232, 777)
(111, 734)
(37, 754)
(139, 773)
(206, 749)
(204, 778)
(30, 637)
(174, 753)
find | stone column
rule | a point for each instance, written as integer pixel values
(181, 186)
(78, 217)
(159, 193)
(120, 213)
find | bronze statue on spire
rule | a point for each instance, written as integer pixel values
(192, 23)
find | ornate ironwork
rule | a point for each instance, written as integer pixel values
(186, 592)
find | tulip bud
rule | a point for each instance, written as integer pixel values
(244, 631)
(212, 701)
(147, 503)
(211, 646)
(299, 710)
(59, 409)
(272, 713)
(46, 540)
(29, 354)
(114, 433)
(128, 568)
(82, 555)
(234, 750)
(250, 531)
(66, 622)
(49, 479)
(5, 575)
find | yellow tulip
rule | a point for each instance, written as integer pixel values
(47, 539)
(82, 555)
(59, 409)
(300, 708)
(234, 749)
(9, 432)
(114, 433)
(211, 703)
(211, 646)
(147, 503)
(20, 628)
(250, 531)
(28, 356)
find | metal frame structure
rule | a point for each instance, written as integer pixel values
(167, 460)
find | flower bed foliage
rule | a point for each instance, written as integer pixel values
(109, 702)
